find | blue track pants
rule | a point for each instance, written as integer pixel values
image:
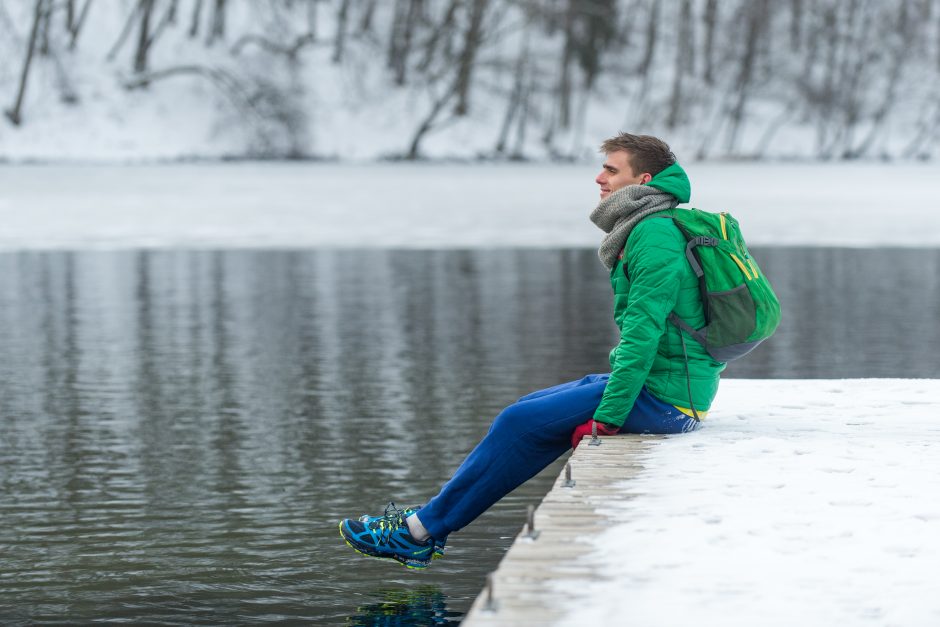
(526, 437)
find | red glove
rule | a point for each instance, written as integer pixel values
(602, 429)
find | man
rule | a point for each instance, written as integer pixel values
(649, 389)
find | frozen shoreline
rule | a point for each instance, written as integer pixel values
(369, 205)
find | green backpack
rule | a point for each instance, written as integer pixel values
(741, 309)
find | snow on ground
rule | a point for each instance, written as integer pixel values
(799, 502)
(433, 205)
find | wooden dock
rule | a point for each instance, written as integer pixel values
(521, 590)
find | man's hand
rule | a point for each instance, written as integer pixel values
(602, 429)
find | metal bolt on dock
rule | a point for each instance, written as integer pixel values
(491, 605)
(531, 532)
(568, 482)
(595, 441)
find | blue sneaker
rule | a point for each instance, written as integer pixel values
(387, 537)
(440, 546)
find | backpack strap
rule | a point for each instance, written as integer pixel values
(688, 376)
(692, 243)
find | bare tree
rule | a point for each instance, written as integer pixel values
(144, 39)
(684, 58)
(518, 96)
(471, 46)
(756, 19)
(14, 114)
(45, 25)
(440, 32)
(368, 12)
(195, 19)
(74, 21)
(796, 24)
(708, 52)
(652, 35)
(438, 103)
(404, 22)
(217, 25)
(339, 41)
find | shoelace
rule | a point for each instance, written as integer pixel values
(393, 519)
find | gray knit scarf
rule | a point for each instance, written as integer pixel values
(622, 210)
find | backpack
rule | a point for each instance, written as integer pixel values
(741, 309)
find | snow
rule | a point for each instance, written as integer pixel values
(367, 204)
(810, 502)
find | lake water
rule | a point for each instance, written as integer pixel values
(180, 432)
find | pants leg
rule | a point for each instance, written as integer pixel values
(524, 438)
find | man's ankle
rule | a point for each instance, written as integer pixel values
(416, 529)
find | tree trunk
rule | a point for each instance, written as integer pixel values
(711, 23)
(516, 96)
(796, 24)
(414, 151)
(393, 59)
(14, 114)
(143, 39)
(217, 29)
(402, 34)
(441, 31)
(652, 28)
(339, 42)
(312, 6)
(194, 22)
(69, 15)
(76, 24)
(44, 26)
(365, 22)
(468, 57)
(564, 76)
(523, 121)
(125, 32)
(756, 14)
(683, 54)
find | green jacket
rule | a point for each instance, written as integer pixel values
(650, 350)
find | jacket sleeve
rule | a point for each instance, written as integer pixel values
(655, 259)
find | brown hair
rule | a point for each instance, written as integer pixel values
(647, 153)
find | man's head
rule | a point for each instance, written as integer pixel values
(632, 160)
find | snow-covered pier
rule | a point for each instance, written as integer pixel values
(521, 590)
(807, 502)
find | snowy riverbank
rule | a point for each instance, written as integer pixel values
(276, 205)
(800, 502)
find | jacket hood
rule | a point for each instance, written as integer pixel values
(673, 180)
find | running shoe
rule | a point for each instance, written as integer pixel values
(440, 546)
(387, 537)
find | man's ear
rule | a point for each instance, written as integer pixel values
(645, 178)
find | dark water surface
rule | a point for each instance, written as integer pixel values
(180, 432)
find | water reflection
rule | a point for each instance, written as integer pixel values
(181, 431)
(851, 313)
(405, 607)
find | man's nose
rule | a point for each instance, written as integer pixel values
(599, 180)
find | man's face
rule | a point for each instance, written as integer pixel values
(617, 172)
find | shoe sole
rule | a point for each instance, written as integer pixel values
(404, 561)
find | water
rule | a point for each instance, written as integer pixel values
(180, 432)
